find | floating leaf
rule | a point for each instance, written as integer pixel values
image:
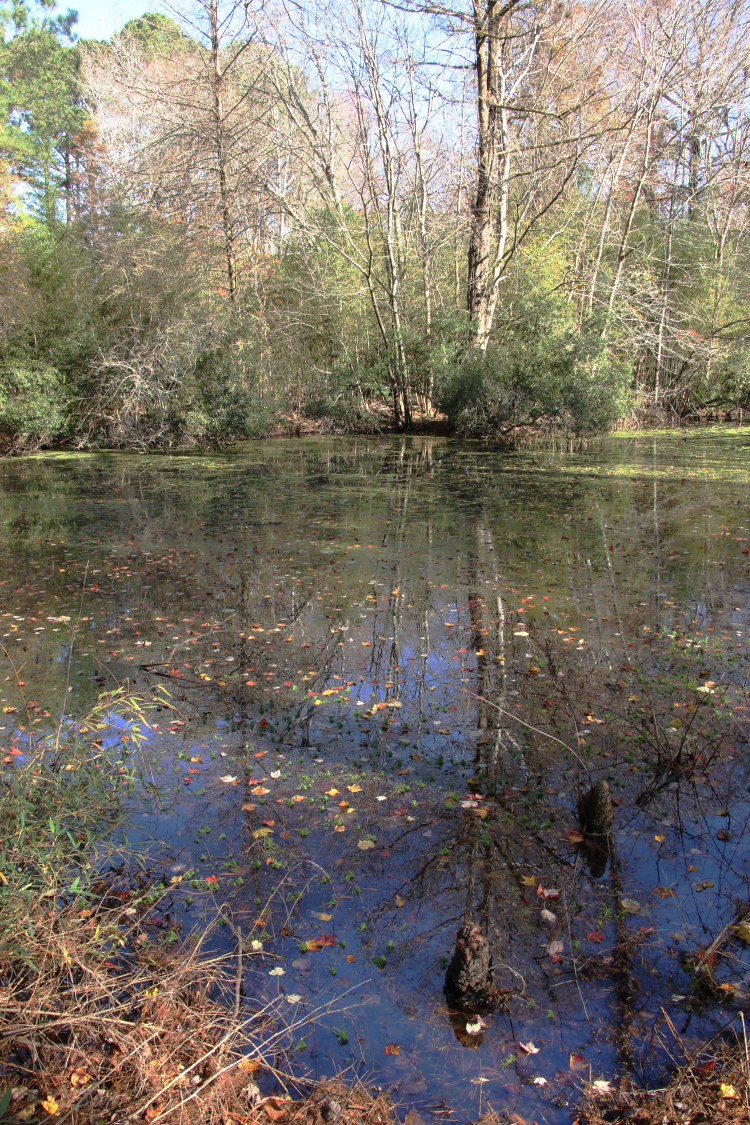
(528, 880)
(577, 1062)
(743, 932)
(475, 1027)
(547, 892)
(530, 1048)
(630, 905)
(260, 791)
(539, 1081)
(277, 972)
(229, 780)
(365, 845)
(392, 1049)
(727, 1091)
(399, 901)
(261, 833)
(293, 998)
(665, 892)
(601, 1086)
(555, 947)
(595, 936)
(322, 942)
(548, 917)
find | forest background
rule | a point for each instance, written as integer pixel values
(247, 215)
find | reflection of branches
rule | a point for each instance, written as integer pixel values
(536, 730)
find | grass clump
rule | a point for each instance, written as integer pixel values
(104, 1013)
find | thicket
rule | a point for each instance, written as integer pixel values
(211, 232)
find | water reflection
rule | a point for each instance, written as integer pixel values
(416, 656)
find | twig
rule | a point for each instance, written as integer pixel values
(238, 978)
(702, 962)
(537, 730)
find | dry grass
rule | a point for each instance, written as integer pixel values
(99, 1023)
(712, 1091)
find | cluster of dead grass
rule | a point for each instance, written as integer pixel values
(98, 1023)
(712, 1091)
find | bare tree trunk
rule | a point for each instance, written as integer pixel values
(221, 160)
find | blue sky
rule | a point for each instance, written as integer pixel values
(98, 19)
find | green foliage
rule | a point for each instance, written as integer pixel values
(43, 117)
(155, 33)
(59, 797)
(32, 406)
(539, 370)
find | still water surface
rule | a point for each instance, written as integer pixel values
(394, 664)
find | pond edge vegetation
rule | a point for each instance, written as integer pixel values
(212, 223)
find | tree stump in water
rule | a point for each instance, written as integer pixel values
(595, 810)
(468, 981)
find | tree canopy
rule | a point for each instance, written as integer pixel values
(518, 214)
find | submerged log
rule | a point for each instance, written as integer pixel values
(468, 981)
(595, 810)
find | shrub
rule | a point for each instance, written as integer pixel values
(538, 370)
(32, 406)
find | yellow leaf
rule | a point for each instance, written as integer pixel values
(660, 839)
(50, 1105)
(261, 833)
(400, 901)
(743, 932)
(332, 792)
(727, 1091)
(354, 788)
(528, 880)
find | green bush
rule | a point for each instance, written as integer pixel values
(32, 406)
(538, 370)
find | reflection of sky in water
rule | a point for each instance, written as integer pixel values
(312, 564)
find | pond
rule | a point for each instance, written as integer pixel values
(393, 667)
